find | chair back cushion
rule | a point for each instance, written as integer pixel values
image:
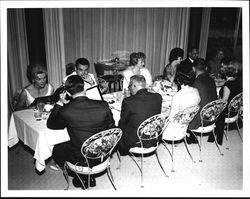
(212, 110)
(101, 144)
(236, 103)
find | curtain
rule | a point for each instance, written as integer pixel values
(206, 12)
(95, 33)
(54, 45)
(17, 52)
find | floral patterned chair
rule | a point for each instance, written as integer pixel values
(98, 147)
(210, 112)
(149, 130)
(176, 129)
(235, 109)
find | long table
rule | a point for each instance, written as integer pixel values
(35, 134)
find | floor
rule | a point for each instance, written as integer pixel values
(214, 176)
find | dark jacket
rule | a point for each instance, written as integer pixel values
(207, 90)
(82, 117)
(136, 109)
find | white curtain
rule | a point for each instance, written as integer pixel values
(206, 12)
(54, 45)
(95, 33)
(17, 51)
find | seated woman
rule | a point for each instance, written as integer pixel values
(186, 97)
(175, 58)
(231, 88)
(39, 87)
(137, 61)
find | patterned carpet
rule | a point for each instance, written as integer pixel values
(215, 175)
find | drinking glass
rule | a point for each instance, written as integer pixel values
(38, 115)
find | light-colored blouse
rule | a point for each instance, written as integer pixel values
(30, 98)
(129, 73)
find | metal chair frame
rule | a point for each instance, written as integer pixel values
(155, 124)
(94, 148)
(183, 117)
(210, 112)
(234, 106)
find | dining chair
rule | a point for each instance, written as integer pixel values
(179, 125)
(209, 113)
(111, 79)
(148, 132)
(234, 112)
(97, 148)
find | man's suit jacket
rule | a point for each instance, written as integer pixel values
(83, 117)
(135, 109)
(207, 90)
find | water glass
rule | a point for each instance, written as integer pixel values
(38, 115)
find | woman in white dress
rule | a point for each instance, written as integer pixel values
(39, 87)
(137, 67)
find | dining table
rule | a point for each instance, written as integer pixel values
(35, 134)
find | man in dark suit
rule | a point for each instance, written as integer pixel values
(135, 109)
(207, 90)
(186, 66)
(83, 118)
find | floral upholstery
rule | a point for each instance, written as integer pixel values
(101, 144)
(212, 110)
(152, 127)
(186, 116)
(236, 103)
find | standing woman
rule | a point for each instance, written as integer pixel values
(175, 58)
(137, 67)
(37, 76)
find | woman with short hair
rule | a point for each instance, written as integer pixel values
(39, 87)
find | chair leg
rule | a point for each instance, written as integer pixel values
(226, 135)
(65, 173)
(238, 129)
(111, 179)
(217, 144)
(133, 158)
(119, 158)
(185, 142)
(82, 181)
(171, 155)
(160, 164)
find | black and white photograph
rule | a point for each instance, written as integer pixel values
(125, 98)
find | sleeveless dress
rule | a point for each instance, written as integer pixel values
(30, 98)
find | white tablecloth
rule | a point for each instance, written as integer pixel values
(34, 134)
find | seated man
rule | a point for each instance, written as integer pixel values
(135, 109)
(82, 69)
(207, 90)
(83, 118)
(186, 97)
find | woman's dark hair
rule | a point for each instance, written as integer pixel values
(34, 69)
(175, 53)
(74, 84)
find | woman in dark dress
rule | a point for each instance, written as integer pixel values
(231, 88)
